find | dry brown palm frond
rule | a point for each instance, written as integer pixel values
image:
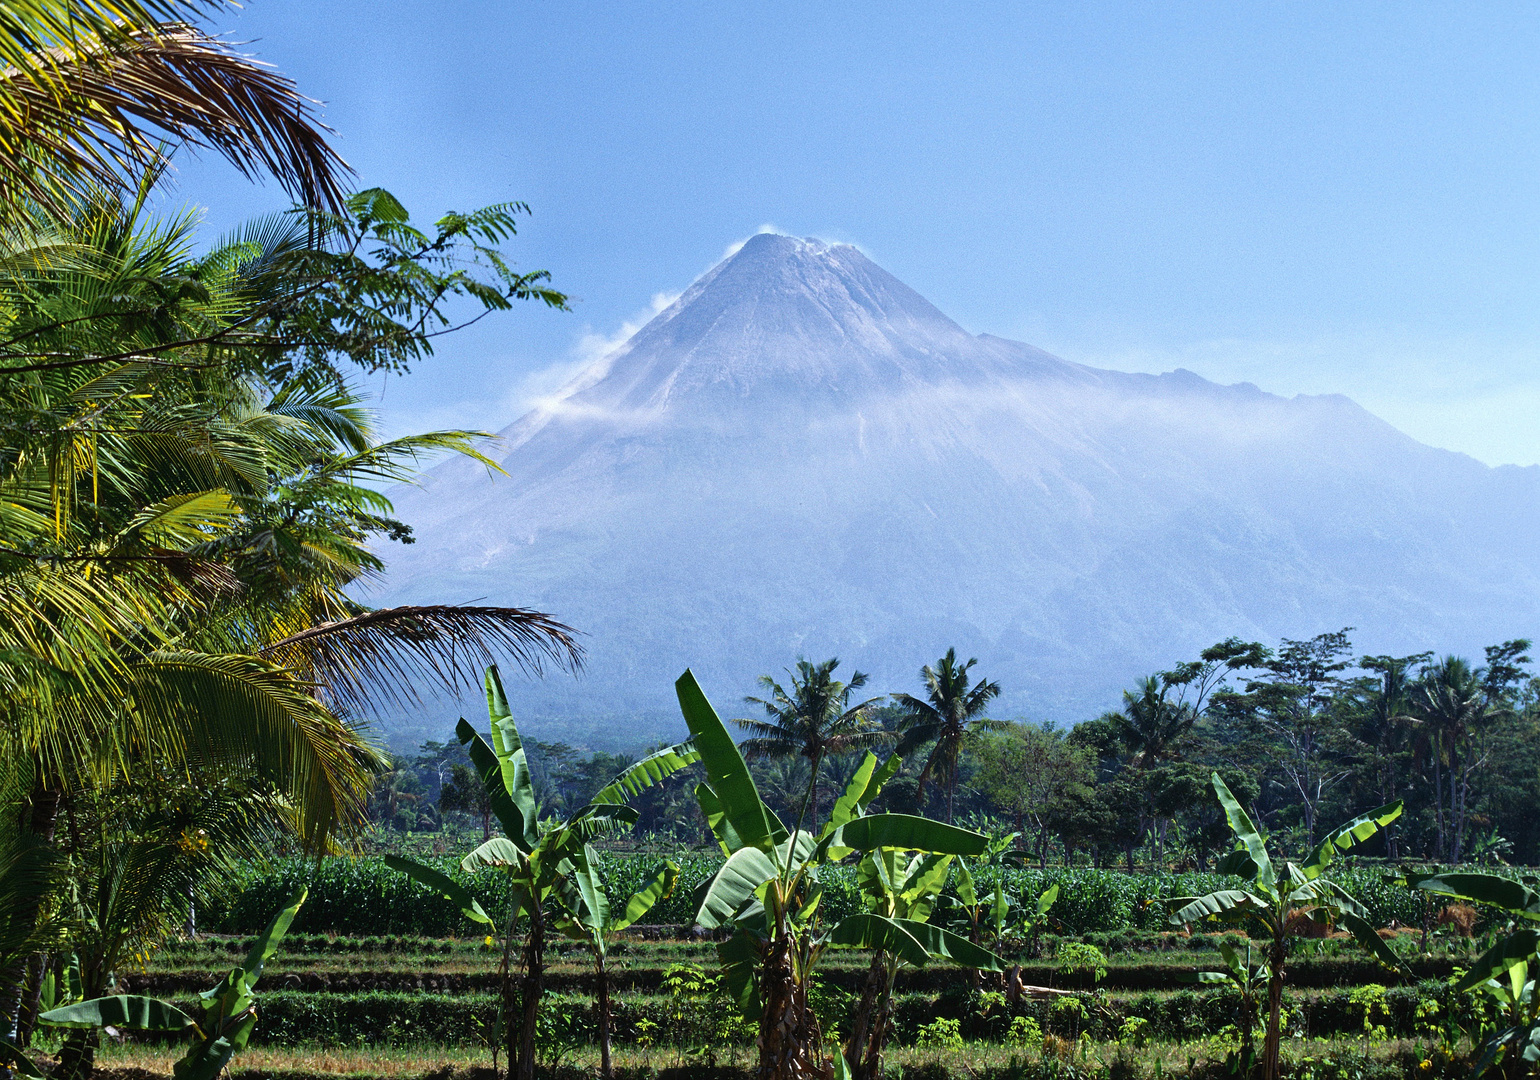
(383, 656)
(111, 101)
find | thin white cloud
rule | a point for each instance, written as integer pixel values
(534, 389)
(593, 346)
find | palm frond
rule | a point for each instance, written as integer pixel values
(245, 712)
(384, 656)
(769, 747)
(96, 107)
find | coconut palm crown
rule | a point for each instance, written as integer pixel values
(949, 716)
(813, 719)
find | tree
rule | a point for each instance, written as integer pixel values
(592, 923)
(229, 1017)
(901, 889)
(1274, 896)
(1296, 702)
(179, 532)
(1383, 717)
(465, 793)
(1506, 973)
(949, 716)
(1454, 706)
(1151, 727)
(1032, 773)
(811, 720)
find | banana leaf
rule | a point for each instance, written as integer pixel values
(208, 1058)
(267, 944)
(642, 901)
(1346, 835)
(726, 771)
(512, 764)
(1224, 904)
(498, 852)
(16, 1058)
(1519, 947)
(734, 885)
(441, 883)
(1246, 833)
(490, 769)
(652, 769)
(1512, 896)
(906, 832)
(120, 1011)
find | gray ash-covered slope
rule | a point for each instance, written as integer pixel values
(802, 456)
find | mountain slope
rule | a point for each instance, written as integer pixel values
(803, 456)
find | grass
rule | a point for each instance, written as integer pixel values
(1317, 1058)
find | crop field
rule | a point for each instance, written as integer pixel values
(379, 979)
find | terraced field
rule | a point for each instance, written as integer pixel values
(412, 1006)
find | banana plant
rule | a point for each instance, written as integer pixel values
(540, 862)
(990, 915)
(1506, 973)
(902, 889)
(595, 926)
(1036, 917)
(1248, 980)
(768, 890)
(1274, 895)
(229, 1009)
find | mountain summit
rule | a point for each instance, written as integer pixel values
(803, 456)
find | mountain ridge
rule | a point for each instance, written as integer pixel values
(801, 455)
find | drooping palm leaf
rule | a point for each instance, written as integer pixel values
(94, 104)
(385, 656)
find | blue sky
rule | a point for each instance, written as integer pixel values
(1312, 197)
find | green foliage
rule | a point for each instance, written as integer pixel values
(943, 1033)
(229, 1009)
(1025, 1031)
(367, 892)
(1077, 958)
(1505, 976)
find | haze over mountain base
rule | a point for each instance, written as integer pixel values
(803, 457)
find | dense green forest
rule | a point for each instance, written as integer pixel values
(1305, 731)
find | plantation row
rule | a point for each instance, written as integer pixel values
(365, 894)
(846, 970)
(702, 1019)
(644, 953)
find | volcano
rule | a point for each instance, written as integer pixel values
(803, 457)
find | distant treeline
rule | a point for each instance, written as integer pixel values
(1306, 732)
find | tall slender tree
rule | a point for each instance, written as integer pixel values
(1454, 707)
(811, 718)
(950, 716)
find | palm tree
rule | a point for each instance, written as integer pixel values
(92, 90)
(1151, 725)
(1452, 705)
(156, 611)
(812, 720)
(949, 716)
(1383, 718)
